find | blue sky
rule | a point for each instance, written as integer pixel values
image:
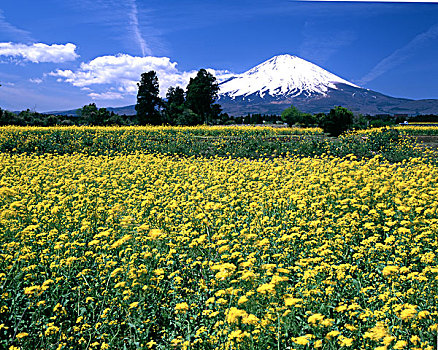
(57, 55)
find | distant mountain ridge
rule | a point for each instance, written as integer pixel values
(285, 80)
(127, 110)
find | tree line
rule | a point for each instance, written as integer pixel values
(88, 115)
(196, 105)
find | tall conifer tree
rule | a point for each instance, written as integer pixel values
(148, 102)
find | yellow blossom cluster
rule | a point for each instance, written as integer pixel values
(158, 251)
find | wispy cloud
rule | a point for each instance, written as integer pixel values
(129, 21)
(36, 80)
(12, 32)
(108, 95)
(39, 52)
(402, 54)
(133, 16)
(319, 45)
(120, 74)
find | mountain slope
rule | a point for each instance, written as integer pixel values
(282, 76)
(283, 80)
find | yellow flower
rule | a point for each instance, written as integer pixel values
(121, 241)
(210, 301)
(133, 305)
(401, 344)
(267, 288)
(389, 270)
(376, 333)
(116, 271)
(407, 314)
(22, 335)
(150, 344)
(292, 301)
(332, 334)
(250, 319)
(242, 300)
(181, 307)
(315, 318)
(423, 314)
(303, 340)
(238, 335)
(31, 290)
(234, 313)
(350, 327)
(415, 339)
(344, 341)
(155, 233)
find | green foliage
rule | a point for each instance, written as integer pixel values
(360, 122)
(187, 117)
(91, 115)
(293, 115)
(175, 96)
(176, 111)
(202, 92)
(236, 142)
(148, 102)
(30, 118)
(339, 120)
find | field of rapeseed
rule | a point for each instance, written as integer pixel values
(393, 144)
(188, 141)
(147, 250)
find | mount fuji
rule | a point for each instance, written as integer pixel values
(286, 80)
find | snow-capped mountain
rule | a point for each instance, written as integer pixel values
(286, 80)
(282, 76)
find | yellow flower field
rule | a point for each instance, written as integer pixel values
(154, 251)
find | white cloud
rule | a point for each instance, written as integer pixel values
(122, 73)
(130, 21)
(11, 30)
(39, 52)
(402, 54)
(36, 80)
(133, 16)
(318, 46)
(109, 95)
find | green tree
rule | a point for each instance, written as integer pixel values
(148, 102)
(7, 118)
(308, 119)
(202, 92)
(175, 96)
(291, 116)
(174, 105)
(339, 119)
(92, 115)
(187, 117)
